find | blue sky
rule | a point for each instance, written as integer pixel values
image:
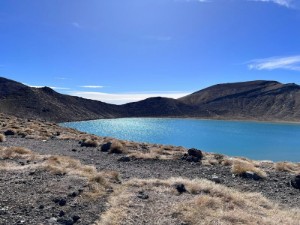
(126, 50)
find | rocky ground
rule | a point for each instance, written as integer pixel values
(31, 194)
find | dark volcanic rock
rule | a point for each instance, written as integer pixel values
(295, 182)
(124, 159)
(105, 147)
(180, 188)
(142, 195)
(195, 153)
(251, 175)
(9, 132)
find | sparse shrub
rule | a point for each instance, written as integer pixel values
(117, 147)
(90, 143)
(13, 152)
(98, 178)
(240, 167)
(2, 138)
(287, 167)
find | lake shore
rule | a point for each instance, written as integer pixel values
(142, 176)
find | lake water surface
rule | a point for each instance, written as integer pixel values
(256, 140)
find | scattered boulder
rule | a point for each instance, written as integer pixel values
(10, 132)
(251, 175)
(142, 195)
(61, 213)
(180, 188)
(106, 147)
(75, 218)
(295, 182)
(60, 201)
(195, 153)
(124, 159)
(65, 221)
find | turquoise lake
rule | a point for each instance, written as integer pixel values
(256, 140)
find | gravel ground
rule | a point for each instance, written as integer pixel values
(275, 187)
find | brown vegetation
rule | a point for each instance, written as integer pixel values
(2, 138)
(204, 203)
(240, 167)
(288, 167)
(117, 147)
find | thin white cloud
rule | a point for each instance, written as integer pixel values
(122, 98)
(287, 63)
(54, 88)
(92, 86)
(59, 88)
(286, 3)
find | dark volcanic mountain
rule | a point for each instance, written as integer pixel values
(255, 100)
(44, 103)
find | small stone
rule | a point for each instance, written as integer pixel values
(180, 188)
(60, 201)
(61, 213)
(142, 195)
(65, 221)
(106, 147)
(9, 132)
(41, 207)
(295, 182)
(124, 159)
(73, 194)
(251, 175)
(216, 179)
(76, 218)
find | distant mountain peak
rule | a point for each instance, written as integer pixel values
(251, 100)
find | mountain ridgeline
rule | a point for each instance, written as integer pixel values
(254, 100)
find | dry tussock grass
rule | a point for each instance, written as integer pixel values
(287, 167)
(117, 147)
(15, 153)
(239, 167)
(98, 182)
(2, 138)
(90, 143)
(205, 203)
(162, 153)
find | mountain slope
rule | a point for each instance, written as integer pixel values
(254, 100)
(44, 103)
(257, 100)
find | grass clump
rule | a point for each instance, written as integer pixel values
(14, 152)
(90, 143)
(204, 203)
(117, 147)
(240, 167)
(2, 138)
(287, 167)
